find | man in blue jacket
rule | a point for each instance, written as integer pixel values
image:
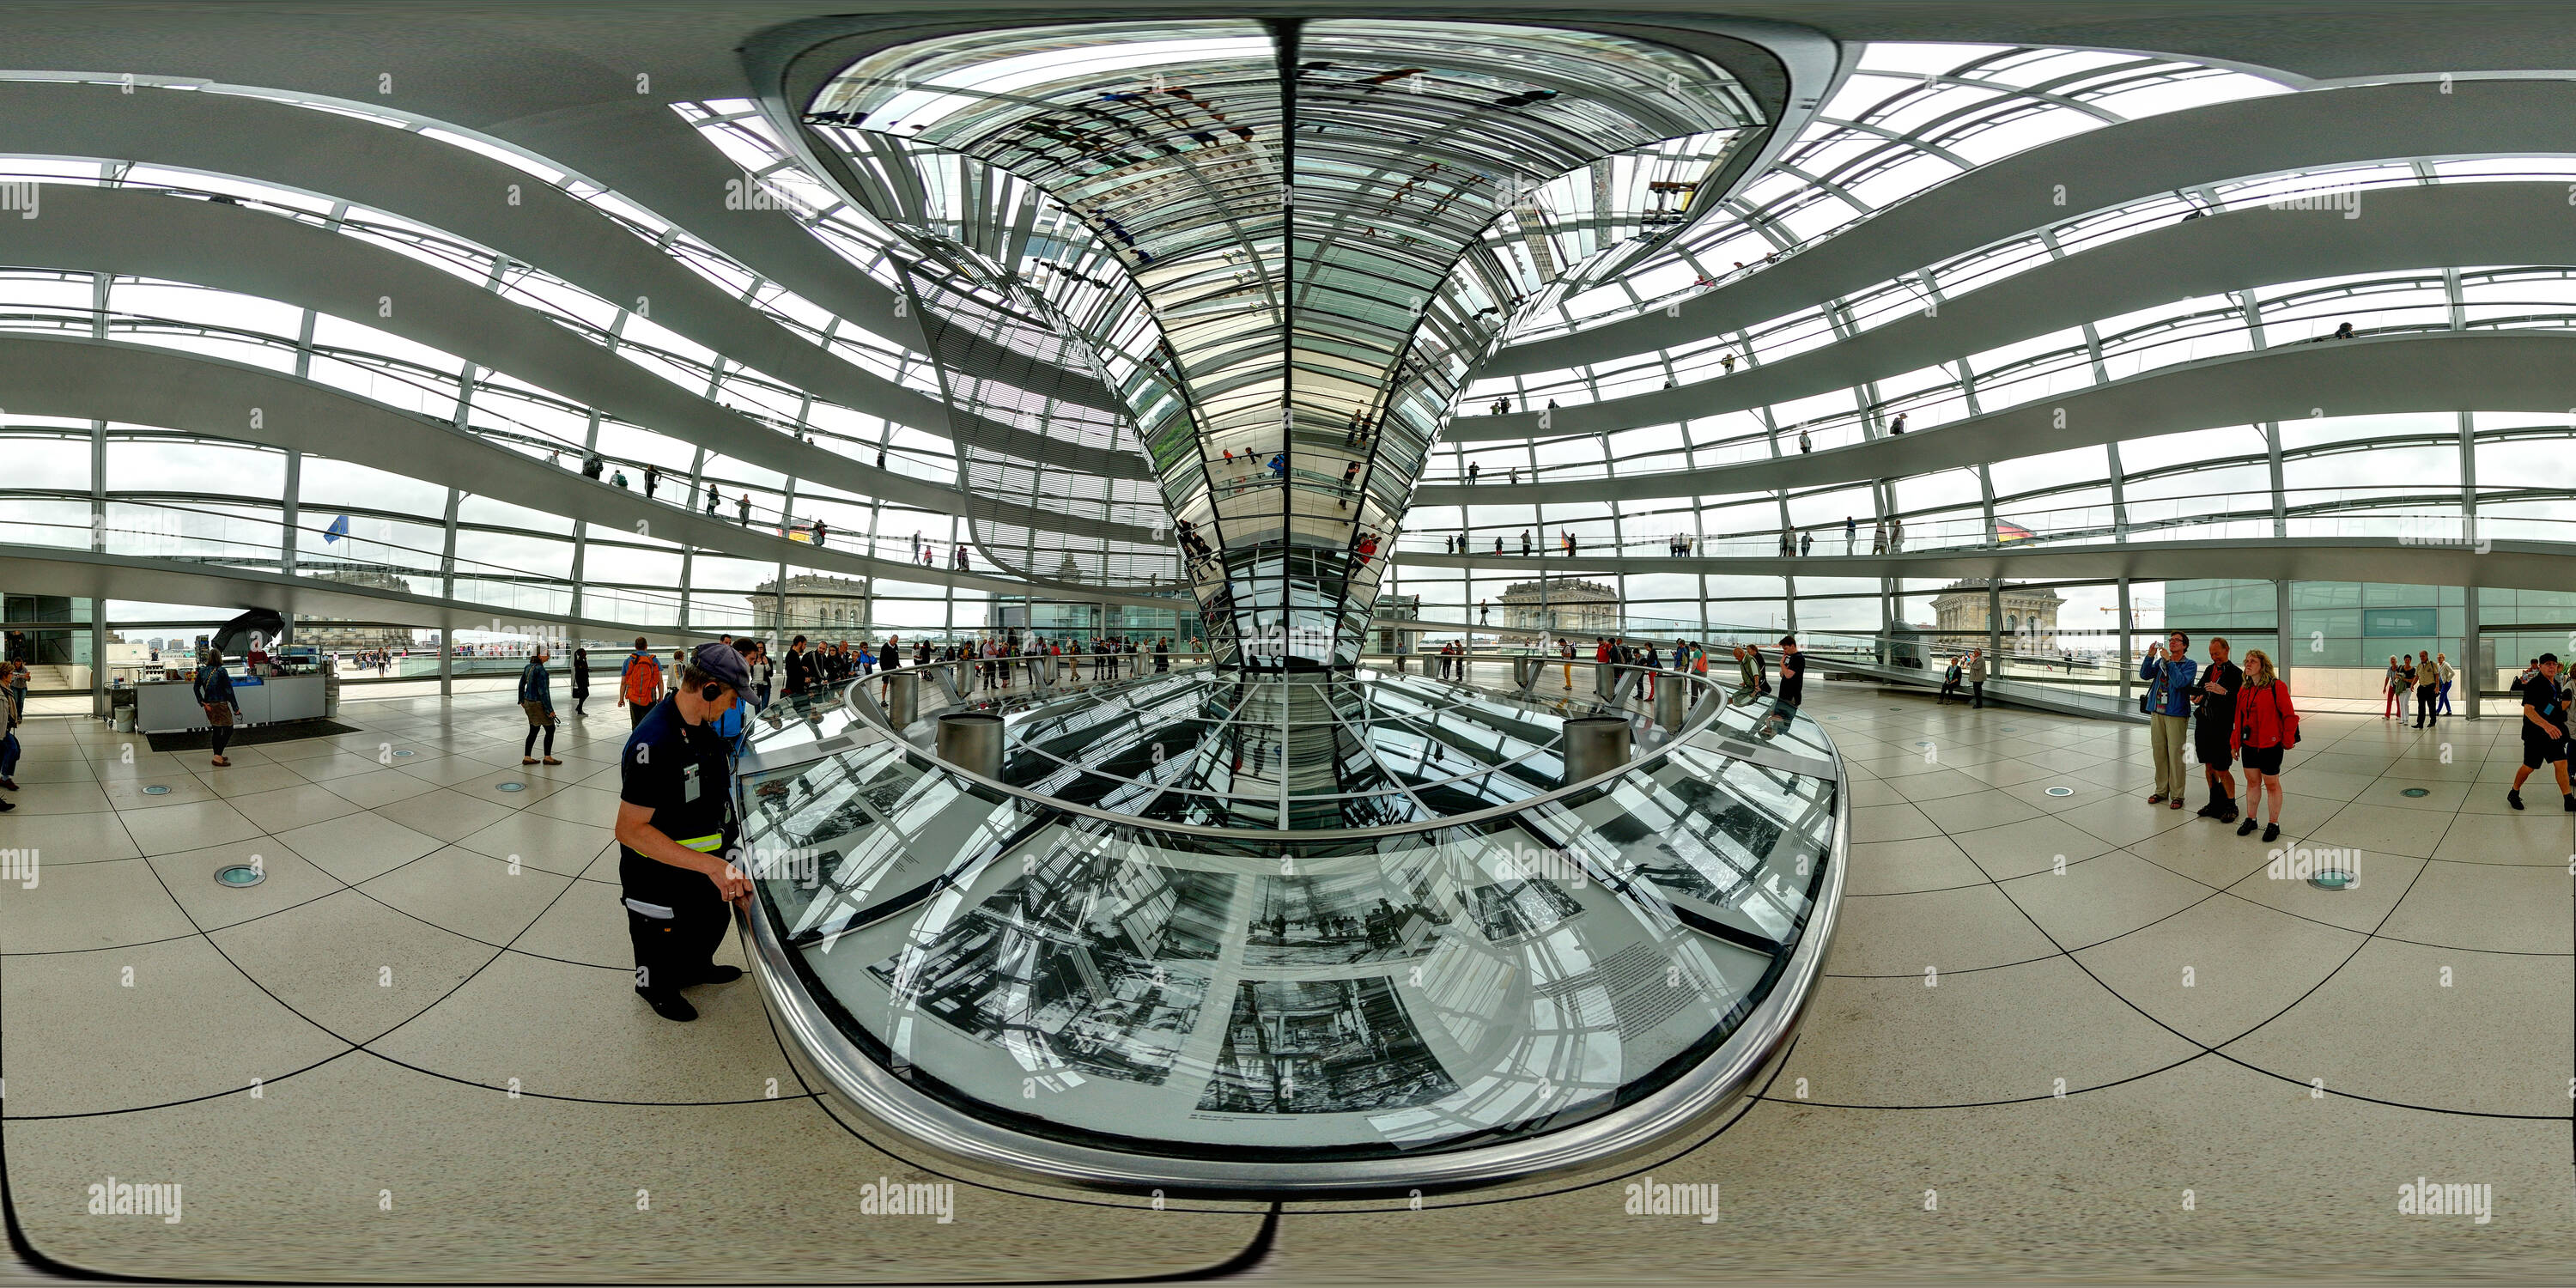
(2169, 674)
(536, 697)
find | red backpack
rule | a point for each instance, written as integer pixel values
(641, 689)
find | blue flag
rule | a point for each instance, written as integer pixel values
(339, 528)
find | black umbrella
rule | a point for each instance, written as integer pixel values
(257, 624)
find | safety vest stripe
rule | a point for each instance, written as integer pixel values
(705, 844)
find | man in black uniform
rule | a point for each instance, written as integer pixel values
(2213, 702)
(2544, 730)
(675, 827)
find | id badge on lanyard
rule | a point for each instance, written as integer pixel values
(690, 786)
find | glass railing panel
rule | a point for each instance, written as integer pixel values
(1736, 842)
(1101, 987)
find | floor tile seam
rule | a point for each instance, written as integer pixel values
(2059, 819)
(460, 847)
(2297, 916)
(247, 977)
(2485, 863)
(270, 838)
(208, 774)
(2071, 1092)
(2213, 891)
(2220, 1051)
(289, 1007)
(1967, 885)
(238, 968)
(368, 1048)
(191, 1100)
(499, 952)
(2464, 948)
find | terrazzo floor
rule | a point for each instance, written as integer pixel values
(413, 1051)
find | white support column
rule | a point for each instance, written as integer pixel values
(581, 531)
(2472, 676)
(689, 553)
(1995, 627)
(2281, 632)
(2280, 491)
(779, 628)
(291, 513)
(447, 590)
(98, 292)
(2128, 674)
(98, 544)
(2468, 475)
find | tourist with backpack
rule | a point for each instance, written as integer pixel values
(2265, 725)
(639, 683)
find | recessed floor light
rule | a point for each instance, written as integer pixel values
(157, 789)
(2335, 879)
(239, 876)
(509, 787)
(2061, 791)
(2417, 791)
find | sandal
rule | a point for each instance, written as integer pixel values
(552, 761)
(221, 763)
(527, 760)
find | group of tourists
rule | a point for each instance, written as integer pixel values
(2225, 713)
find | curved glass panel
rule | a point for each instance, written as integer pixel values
(1299, 997)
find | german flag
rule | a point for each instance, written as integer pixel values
(2011, 532)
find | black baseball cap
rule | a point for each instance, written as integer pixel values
(720, 663)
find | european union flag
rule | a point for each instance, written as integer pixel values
(339, 528)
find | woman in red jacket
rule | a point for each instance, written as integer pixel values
(2266, 725)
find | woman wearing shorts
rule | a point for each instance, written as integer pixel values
(2265, 726)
